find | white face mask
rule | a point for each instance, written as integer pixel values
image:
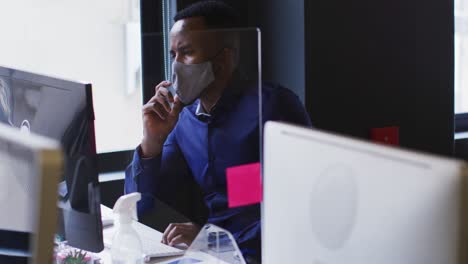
(189, 80)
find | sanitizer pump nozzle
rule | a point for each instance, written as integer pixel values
(125, 208)
(126, 245)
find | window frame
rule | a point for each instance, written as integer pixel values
(149, 24)
(461, 119)
(461, 122)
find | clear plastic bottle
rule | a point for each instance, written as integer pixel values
(126, 244)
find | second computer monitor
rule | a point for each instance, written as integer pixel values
(331, 199)
(61, 110)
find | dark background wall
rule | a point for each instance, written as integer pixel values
(382, 63)
(363, 64)
(283, 50)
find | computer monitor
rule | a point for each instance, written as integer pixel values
(30, 167)
(331, 199)
(62, 110)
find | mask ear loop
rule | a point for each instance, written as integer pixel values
(172, 90)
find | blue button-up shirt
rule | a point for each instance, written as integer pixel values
(201, 147)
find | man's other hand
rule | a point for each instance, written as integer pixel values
(180, 233)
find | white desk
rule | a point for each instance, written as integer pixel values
(108, 232)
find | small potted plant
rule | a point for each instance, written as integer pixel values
(74, 257)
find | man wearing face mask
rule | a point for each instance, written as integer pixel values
(209, 125)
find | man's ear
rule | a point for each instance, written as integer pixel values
(224, 61)
(220, 62)
(217, 68)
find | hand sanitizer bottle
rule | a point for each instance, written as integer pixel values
(126, 244)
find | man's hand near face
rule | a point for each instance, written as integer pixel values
(159, 119)
(180, 233)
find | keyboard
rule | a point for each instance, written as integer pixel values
(152, 246)
(151, 242)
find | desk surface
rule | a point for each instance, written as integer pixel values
(112, 176)
(108, 231)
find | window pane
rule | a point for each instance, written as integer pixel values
(461, 56)
(97, 41)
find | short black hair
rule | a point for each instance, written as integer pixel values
(217, 14)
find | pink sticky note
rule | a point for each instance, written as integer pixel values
(244, 185)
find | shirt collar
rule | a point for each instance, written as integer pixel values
(200, 111)
(228, 98)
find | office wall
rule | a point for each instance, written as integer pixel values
(81, 40)
(382, 63)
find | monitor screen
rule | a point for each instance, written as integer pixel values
(356, 202)
(62, 110)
